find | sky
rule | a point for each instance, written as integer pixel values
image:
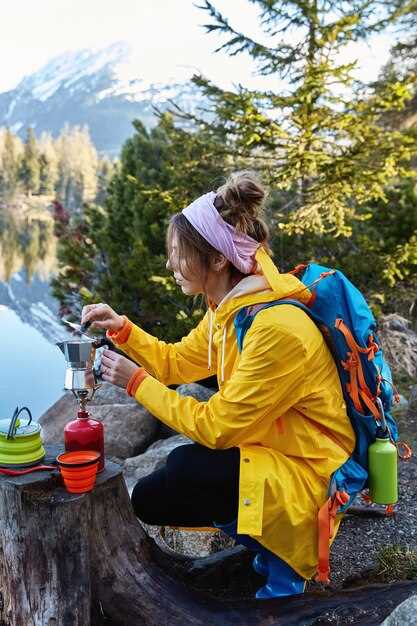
(166, 37)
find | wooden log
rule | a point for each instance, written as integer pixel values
(137, 584)
(85, 560)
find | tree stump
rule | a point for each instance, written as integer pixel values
(85, 560)
(44, 550)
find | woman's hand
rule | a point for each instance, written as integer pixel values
(102, 316)
(117, 369)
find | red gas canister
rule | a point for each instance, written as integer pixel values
(85, 433)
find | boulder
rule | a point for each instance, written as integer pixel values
(129, 428)
(404, 615)
(412, 404)
(144, 464)
(399, 342)
(111, 394)
(199, 392)
(188, 542)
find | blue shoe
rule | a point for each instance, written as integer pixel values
(282, 579)
(260, 564)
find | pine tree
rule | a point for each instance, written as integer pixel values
(161, 171)
(10, 165)
(48, 164)
(77, 167)
(105, 172)
(29, 173)
(320, 136)
(380, 253)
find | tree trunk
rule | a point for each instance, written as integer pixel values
(84, 560)
(44, 552)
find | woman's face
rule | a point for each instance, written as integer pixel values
(191, 284)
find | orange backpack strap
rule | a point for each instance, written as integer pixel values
(357, 388)
(326, 518)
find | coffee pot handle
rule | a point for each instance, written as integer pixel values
(103, 341)
(13, 424)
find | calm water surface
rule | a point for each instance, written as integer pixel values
(32, 369)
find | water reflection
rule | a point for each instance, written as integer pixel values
(32, 368)
(27, 243)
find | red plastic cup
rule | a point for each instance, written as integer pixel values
(79, 469)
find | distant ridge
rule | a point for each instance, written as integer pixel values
(89, 87)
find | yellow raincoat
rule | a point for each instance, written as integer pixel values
(280, 401)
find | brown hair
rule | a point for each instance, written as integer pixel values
(240, 202)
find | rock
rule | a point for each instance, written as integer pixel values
(402, 401)
(188, 542)
(144, 464)
(110, 394)
(412, 404)
(193, 543)
(129, 428)
(399, 342)
(404, 615)
(199, 392)
(396, 322)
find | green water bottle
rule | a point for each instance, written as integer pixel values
(383, 478)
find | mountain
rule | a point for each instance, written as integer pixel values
(97, 88)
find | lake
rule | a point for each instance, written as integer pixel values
(32, 368)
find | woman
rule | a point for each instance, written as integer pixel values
(267, 442)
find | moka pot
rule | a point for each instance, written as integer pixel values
(79, 355)
(83, 433)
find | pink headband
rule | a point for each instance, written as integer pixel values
(238, 248)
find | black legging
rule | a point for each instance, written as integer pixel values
(195, 487)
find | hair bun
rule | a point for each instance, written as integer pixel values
(242, 198)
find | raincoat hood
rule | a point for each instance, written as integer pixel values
(253, 289)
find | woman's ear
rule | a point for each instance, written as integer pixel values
(218, 263)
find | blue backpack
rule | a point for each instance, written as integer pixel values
(349, 328)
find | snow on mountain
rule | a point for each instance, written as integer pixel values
(69, 69)
(98, 88)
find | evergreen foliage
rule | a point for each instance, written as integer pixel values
(118, 255)
(380, 253)
(319, 134)
(9, 164)
(77, 167)
(67, 166)
(48, 164)
(29, 174)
